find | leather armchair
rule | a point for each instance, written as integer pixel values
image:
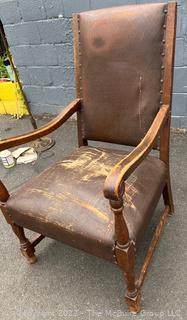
(102, 200)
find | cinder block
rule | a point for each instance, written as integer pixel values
(184, 19)
(179, 32)
(22, 55)
(9, 12)
(183, 122)
(65, 55)
(11, 35)
(44, 55)
(179, 104)
(40, 76)
(27, 33)
(33, 94)
(97, 4)
(182, 2)
(185, 54)
(185, 97)
(180, 80)
(41, 109)
(74, 6)
(24, 75)
(32, 10)
(175, 122)
(179, 52)
(179, 2)
(54, 8)
(55, 31)
(58, 96)
(62, 77)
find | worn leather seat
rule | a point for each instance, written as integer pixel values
(66, 201)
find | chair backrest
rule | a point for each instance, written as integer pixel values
(119, 69)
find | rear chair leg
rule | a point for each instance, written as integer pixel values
(26, 248)
(126, 259)
(167, 195)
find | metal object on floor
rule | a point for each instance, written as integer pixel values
(43, 144)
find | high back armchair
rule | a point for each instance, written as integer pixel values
(101, 200)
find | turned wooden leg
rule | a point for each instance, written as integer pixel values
(167, 195)
(132, 296)
(26, 248)
(126, 259)
(125, 255)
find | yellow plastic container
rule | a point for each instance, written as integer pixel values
(11, 100)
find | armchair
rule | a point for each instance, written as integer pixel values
(124, 73)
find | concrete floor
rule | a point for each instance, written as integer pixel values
(70, 284)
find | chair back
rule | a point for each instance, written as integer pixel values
(119, 68)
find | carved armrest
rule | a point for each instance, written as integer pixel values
(114, 183)
(44, 130)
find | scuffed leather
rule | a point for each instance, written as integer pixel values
(66, 201)
(120, 57)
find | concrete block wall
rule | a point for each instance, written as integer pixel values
(40, 38)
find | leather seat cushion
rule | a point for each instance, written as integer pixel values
(66, 201)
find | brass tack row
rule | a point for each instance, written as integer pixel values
(163, 55)
(79, 52)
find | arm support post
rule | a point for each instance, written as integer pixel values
(114, 187)
(121, 231)
(122, 170)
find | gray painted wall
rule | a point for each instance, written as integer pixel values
(40, 39)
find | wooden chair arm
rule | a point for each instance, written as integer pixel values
(27, 137)
(114, 183)
(44, 130)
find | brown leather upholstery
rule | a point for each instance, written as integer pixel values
(66, 201)
(120, 71)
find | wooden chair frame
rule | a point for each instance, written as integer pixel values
(115, 182)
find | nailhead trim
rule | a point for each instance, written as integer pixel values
(79, 52)
(163, 55)
(80, 76)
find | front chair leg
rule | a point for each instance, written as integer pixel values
(26, 248)
(126, 259)
(125, 255)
